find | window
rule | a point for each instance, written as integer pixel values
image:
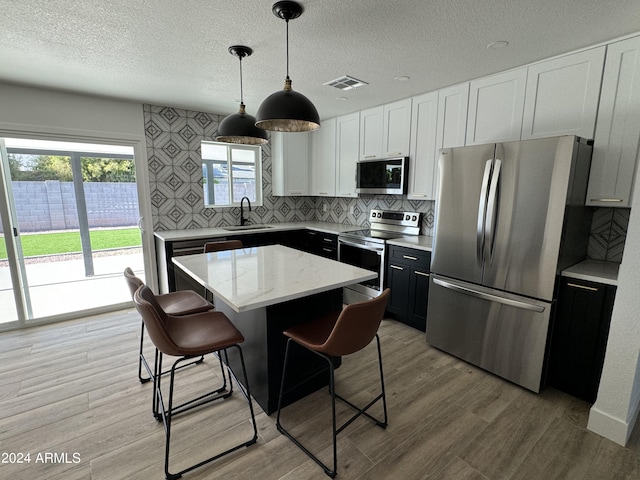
(230, 172)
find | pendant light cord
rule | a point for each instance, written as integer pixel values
(287, 21)
(241, 95)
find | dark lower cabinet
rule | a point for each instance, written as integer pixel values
(320, 243)
(407, 275)
(172, 279)
(579, 337)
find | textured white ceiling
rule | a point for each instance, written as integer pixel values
(174, 52)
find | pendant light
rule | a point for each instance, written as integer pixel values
(240, 127)
(286, 110)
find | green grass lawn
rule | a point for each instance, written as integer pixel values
(66, 242)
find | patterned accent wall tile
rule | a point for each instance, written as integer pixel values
(608, 234)
(601, 222)
(173, 139)
(620, 221)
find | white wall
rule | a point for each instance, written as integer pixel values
(54, 112)
(40, 113)
(615, 411)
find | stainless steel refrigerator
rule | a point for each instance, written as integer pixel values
(509, 218)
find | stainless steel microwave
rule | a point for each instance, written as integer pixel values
(382, 176)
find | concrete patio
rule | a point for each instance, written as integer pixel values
(60, 286)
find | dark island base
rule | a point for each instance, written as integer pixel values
(265, 345)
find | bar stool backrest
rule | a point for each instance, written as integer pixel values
(155, 320)
(356, 326)
(132, 281)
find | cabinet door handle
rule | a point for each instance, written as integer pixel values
(396, 267)
(421, 273)
(393, 154)
(409, 257)
(323, 193)
(612, 200)
(583, 287)
(327, 250)
(370, 156)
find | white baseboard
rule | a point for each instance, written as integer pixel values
(610, 427)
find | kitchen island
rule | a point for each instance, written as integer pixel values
(265, 290)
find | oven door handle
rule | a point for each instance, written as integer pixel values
(378, 250)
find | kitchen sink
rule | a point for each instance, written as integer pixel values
(245, 227)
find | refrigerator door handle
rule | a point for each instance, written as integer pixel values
(482, 210)
(492, 203)
(487, 296)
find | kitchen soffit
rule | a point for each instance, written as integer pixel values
(175, 53)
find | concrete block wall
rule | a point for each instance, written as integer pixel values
(51, 205)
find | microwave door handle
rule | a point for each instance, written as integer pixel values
(492, 206)
(482, 210)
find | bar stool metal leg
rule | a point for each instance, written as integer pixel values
(142, 361)
(168, 412)
(332, 472)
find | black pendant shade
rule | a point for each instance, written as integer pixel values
(241, 127)
(287, 110)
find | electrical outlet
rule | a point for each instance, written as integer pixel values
(324, 208)
(352, 210)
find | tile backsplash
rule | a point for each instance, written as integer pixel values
(173, 139)
(608, 234)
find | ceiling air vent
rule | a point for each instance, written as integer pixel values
(346, 83)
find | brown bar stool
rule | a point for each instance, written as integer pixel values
(222, 245)
(338, 334)
(189, 337)
(183, 302)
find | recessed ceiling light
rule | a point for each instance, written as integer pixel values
(498, 44)
(402, 78)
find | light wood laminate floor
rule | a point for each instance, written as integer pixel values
(71, 389)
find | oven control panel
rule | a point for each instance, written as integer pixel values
(389, 217)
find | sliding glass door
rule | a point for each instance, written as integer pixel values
(69, 228)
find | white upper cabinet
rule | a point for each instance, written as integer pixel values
(423, 152)
(562, 95)
(496, 104)
(615, 150)
(452, 115)
(323, 160)
(396, 131)
(385, 131)
(290, 164)
(371, 125)
(347, 147)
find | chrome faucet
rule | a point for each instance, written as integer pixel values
(242, 219)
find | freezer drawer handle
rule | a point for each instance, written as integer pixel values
(488, 296)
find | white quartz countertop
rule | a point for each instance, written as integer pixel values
(419, 242)
(250, 278)
(198, 233)
(594, 271)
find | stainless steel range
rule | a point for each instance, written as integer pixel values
(367, 248)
